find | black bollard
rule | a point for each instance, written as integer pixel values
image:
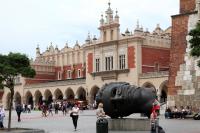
(102, 125)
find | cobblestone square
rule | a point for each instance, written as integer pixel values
(87, 123)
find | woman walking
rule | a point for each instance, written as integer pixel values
(74, 114)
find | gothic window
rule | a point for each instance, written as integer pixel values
(111, 35)
(109, 63)
(104, 36)
(69, 75)
(97, 65)
(79, 73)
(122, 62)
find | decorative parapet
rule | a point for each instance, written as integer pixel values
(57, 83)
(154, 74)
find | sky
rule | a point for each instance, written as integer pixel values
(24, 24)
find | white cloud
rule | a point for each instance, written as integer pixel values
(24, 23)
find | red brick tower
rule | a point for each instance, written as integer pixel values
(179, 43)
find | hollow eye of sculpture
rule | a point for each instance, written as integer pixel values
(113, 93)
(119, 91)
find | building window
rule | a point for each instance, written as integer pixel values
(104, 36)
(109, 63)
(97, 65)
(122, 62)
(59, 76)
(111, 35)
(69, 74)
(79, 73)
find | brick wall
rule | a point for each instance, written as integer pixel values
(65, 69)
(131, 57)
(90, 63)
(187, 6)
(151, 56)
(178, 49)
(35, 81)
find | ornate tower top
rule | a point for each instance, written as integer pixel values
(37, 51)
(109, 14)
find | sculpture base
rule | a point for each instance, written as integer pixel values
(129, 124)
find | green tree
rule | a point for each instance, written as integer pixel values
(12, 65)
(195, 42)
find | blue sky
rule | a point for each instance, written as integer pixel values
(26, 23)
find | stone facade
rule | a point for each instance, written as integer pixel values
(184, 73)
(138, 57)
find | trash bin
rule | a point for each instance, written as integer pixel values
(102, 125)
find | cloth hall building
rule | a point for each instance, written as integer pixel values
(138, 57)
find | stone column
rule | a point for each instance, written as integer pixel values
(64, 97)
(33, 102)
(54, 98)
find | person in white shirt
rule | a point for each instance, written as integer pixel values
(74, 115)
(100, 112)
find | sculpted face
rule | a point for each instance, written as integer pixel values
(121, 99)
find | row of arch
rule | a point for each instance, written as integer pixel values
(37, 97)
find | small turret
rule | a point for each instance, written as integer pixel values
(147, 31)
(116, 17)
(94, 38)
(77, 46)
(38, 51)
(158, 30)
(127, 32)
(88, 39)
(56, 49)
(66, 45)
(101, 20)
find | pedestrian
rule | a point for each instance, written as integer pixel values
(44, 110)
(29, 108)
(2, 115)
(100, 112)
(75, 114)
(50, 109)
(19, 109)
(64, 109)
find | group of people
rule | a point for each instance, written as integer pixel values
(176, 112)
(47, 109)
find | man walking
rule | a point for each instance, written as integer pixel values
(19, 109)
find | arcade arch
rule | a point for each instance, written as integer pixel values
(38, 97)
(81, 94)
(69, 94)
(48, 97)
(58, 94)
(149, 85)
(29, 98)
(17, 98)
(94, 90)
(163, 92)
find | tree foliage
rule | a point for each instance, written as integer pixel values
(195, 42)
(12, 65)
